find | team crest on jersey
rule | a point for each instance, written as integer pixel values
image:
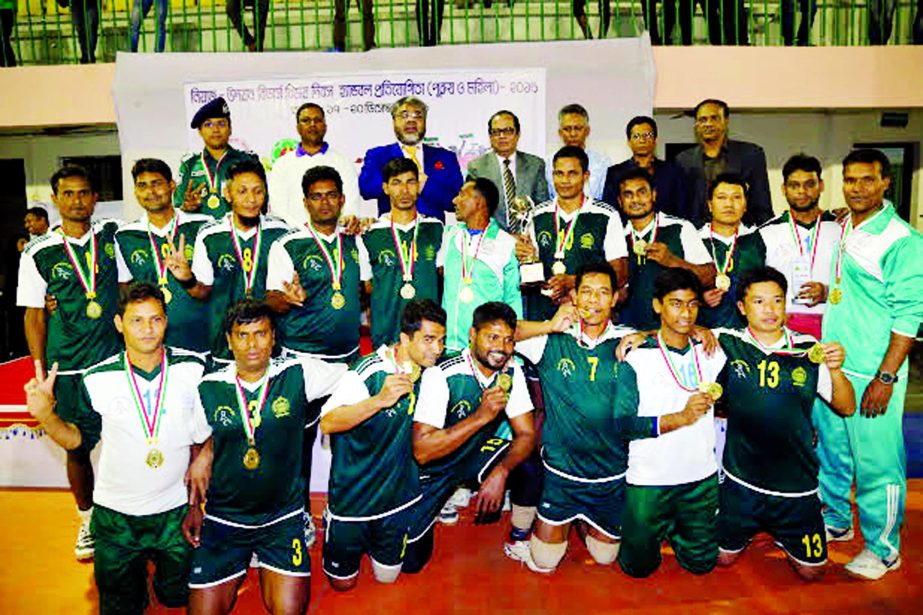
(461, 409)
(741, 369)
(62, 271)
(799, 376)
(189, 251)
(544, 239)
(566, 367)
(386, 258)
(429, 253)
(312, 262)
(281, 407)
(109, 249)
(224, 416)
(587, 240)
(355, 254)
(138, 257)
(226, 263)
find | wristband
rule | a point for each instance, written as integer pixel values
(190, 283)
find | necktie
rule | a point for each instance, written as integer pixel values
(412, 153)
(509, 183)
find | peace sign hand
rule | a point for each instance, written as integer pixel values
(294, 292)
(176, 260)
(40, 392)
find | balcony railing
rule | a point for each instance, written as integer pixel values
(47, 33)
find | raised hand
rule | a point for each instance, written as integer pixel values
(294, 292)
(192, 200)
(713, 296)
(176, 261)
(564, 318)
(40, 392)
(697, 406)
(394, 387)
(493, 402)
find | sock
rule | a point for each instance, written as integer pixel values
(517, 534)
(85, 515)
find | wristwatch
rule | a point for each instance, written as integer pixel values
(886, 377)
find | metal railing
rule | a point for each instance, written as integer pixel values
(45, 32)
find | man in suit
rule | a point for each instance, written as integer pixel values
(514, 173)
(716, 154)
(574, 129)
(440, 175)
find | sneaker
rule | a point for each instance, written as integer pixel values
(839, 534)
(86, 545)
(310, 532)
(254, 561)
(461, 498)
(869, 566)
(519, 551)
(448, 515)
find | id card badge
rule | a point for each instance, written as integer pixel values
(801, 275)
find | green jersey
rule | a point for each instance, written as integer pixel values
(274, 488)
(229, 268)
(581, 439)
(373, 473)
(682, 240)
(200, 171)
(770, 392)
(327, 325)
(386, 264)
(450, 392)
(589, 234)
(75, 339)
(140, 249)
(749, 251)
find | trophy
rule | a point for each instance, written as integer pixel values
(531, 272)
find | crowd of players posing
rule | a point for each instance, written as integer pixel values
(207, 423)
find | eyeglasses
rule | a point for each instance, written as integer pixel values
(642, 136)
(502, 132)
(411, 115)
(317, 197)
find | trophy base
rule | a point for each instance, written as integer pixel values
(531, 274)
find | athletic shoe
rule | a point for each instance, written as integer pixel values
(86, 545)
(839, 534)
(310, 532)
(461, 498)
(869, 566)
(519, 551)
(254, 561)
(448, 515)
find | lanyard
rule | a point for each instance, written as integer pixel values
(150, 418)
(407, 257)
(673, 372)
(565, 239)
(249, 276)
(252, 420)
(160, 264)
(336, 270)
(87, 279)
(730, 253)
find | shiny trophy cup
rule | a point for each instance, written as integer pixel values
(531, 272)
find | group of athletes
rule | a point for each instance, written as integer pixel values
(204, 354)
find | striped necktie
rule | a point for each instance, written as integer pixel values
(509, 182)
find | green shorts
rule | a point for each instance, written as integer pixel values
(436, 489)
(345, 541)
(683, 515)
(599, 504)
(796, 523)
(69, 405)
(226, 550)
(125, 544)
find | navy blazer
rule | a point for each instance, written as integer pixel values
(668, 182)
(443, 178)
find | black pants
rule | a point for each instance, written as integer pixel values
(605, 12)
(7, 21)
(429, 21)
(85, 14)
(727, 21)
(339, 23)
(260, 13)
(808, 10)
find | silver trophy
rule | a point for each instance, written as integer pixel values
(531, 271)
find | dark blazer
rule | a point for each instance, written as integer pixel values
(530, 179)
(668, 182)
(443, 178)
(745, 158)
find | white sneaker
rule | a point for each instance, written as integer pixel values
(869, 566)
(461, 498)
(448, 515)
(519, 551)
(86, 545)
(839, 534)
(254, 561)
(310, 532)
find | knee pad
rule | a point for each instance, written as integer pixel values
(385, 574)
(522, 516)
(546, 555)
(602, 552)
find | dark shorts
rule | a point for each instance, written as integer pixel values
(226, 550)
(599, 504)
(69, 406)
(796, 523)
(345, 541)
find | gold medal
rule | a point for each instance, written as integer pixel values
(559, 268)
(836, 295)
(94, 309)
(408, 291)
(505, 382)
(816, 353)
(338, 300)
(414, 374)
(167, 295)
(639, 247)
(251, 459)
(213, 201)
(154, 458)
(722, 281)
(713, 389)
(466, 294)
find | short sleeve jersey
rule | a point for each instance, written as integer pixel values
(749, 252)
(125, 482)
(593, 233)
(75, 341)
(215, 263)
(276, 486)
(683, 242)
(200, 170)
(380, 263)
(373, 473)
(135, 244)
(580, 438)
(450, 392)
(317, 327)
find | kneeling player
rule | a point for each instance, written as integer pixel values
(468, 403)
(257, 410)
(373, 476)
(772, 379)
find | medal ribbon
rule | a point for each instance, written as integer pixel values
(730, 252)
(150, 420)
(847, 228)
(578, 333)
(635, 237)
(87, 280)
(249, 276)
(812, 238)
(561, 241)
(245, 417)
(666, 357)
(159, 262)
(336, 271)
(468, 265)
(788, 350)
(407, 257)
(477, 378)
(212, 179)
